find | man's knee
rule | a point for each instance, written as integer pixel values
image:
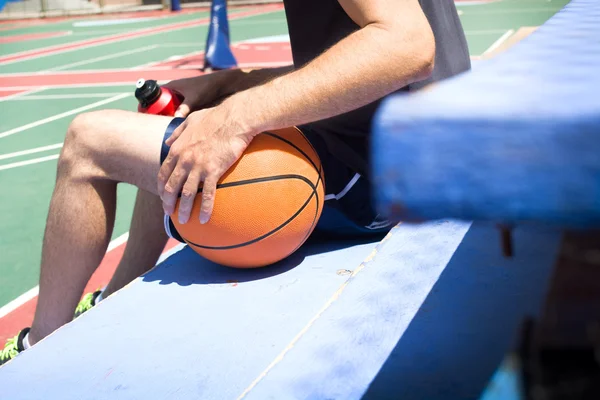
(82, 145)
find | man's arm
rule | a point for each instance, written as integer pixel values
(393, 47)
(208, 90)
(242, 80)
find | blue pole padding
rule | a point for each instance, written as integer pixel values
(175, 5)
(218, 52)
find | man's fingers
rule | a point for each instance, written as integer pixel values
(173, 188)
(176, 133)
(183, 110)
(165, 171)
(209, 190)
(188, 195)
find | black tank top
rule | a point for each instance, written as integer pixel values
(316, 25)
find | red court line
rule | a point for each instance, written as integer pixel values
(6, 93)
(249, 54)
(22, 316)
(32, 36)
(129, 35)
(18, 24)
(27, 22)
(66, 78)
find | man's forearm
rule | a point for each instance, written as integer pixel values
(237, 80)
(363, 67)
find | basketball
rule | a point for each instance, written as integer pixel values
(266, 206)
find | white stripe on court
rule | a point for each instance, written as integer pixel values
(107, 22)
(19, 301)
(268, 39)
(170, 252)
(67, 96)
(31, 151)
(32, 293)
(498, 42)
(96, 59)
(17, 96)
(28, 162)
(181, 44)
(69, 85)
(62, 115)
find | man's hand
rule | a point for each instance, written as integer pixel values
(203, 148)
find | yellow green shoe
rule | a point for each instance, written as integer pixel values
(13, 347)
(87, 302)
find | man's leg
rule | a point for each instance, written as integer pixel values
(147, 239)
(100, 150)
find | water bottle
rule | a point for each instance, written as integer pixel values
(154, 99)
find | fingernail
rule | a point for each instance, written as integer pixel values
(203, 218)
(182, 220)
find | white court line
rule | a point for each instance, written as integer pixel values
(62, 115)
(170, 252)
(17, 96)
(76, 85)
(28, 162)
(19, 301)
(108, 31)
(271, 21)
(182, 44)
(268, 64)
(31, 151)
(498, 42)
(96, 59)
(32, 293)
(67, 96)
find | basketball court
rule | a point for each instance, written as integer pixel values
(52, 70)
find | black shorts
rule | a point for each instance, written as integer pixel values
(347, 211)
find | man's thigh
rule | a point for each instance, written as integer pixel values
(125, 146)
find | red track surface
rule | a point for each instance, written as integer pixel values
(90, 78)
(23, 316)
(5, 93)
(31, 36)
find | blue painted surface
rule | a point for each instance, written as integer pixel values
(186, 330)
(430, 314)
(506, 384)
(515, 140)
(218, 54)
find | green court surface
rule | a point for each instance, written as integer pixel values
(36, 122)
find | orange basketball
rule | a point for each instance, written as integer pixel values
(266, 205)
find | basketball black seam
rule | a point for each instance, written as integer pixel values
(296, 147)
(309, 231)
(319, 171)
(257, 180)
